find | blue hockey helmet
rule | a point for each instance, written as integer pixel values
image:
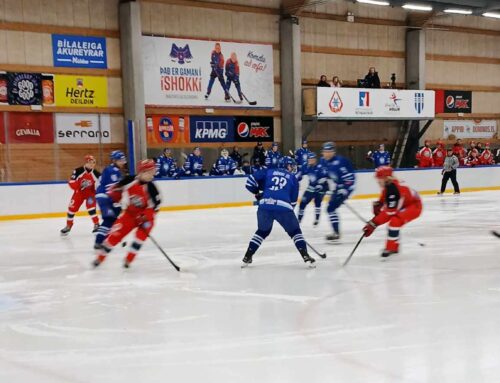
(329, 146)
(287, 161)
(117, 155)
(311, 155)
(274, 144)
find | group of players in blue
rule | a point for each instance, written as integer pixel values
(276, 189)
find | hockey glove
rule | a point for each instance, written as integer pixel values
(258, 196)
(369, 228)
(377, 207)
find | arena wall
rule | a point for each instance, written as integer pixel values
(44, 200)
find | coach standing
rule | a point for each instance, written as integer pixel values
(450, 166)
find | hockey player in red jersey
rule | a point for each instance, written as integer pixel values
(486, 157)
(424, 156)
(439, 154)
(142, 198)
(83, 182)
(397, 205)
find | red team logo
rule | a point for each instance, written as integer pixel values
(336, 103)
(253, 131)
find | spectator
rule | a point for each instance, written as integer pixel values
(336, 83)
(449, 171)
(459, 151)
(371, 79)
(472, 147)
(236, 156)
(322, 82)
(486, 157)
(479, 147)
(439, 154)
(259, 153)
(273, 157)
(424, 156)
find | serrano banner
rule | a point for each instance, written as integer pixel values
(83, 128)
(167, 129)
(182, 72)
(82, 91)
(470, 128)
(374, 104)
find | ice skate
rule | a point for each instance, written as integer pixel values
(65, 231)
(247, 259)
(316, 222)
(388, 253)
(308, 259)
(99, 259)
(333, 238)
(96, 228)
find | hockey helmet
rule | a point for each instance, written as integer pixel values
(117, 155)
(329, 146)
(383, 172)
(287, 161)
(145, 166)
(311, 155)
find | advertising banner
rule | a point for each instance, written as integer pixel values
(211, 129)
(375, 104)
(83, 128)
(167, 129)
(79, 51)
(453, 101)
(26, 128)
(470, 128)
(24, 88)
(81, 91)
(252, 129)
(184, 72)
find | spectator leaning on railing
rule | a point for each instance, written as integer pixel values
(449, 171)
(336, 82)
(371, 79)
(322, 82)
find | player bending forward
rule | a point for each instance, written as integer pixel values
(143, 200)
(277, 191)
(83, 182)
(397, 205)
(315, 191)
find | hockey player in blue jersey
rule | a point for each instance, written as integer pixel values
(273, 157)
(315, 190)
(339, 169)
(166, 165)
(380, 157)
(301, 155)
(111, 175)
(277, 191)
(224, 166)
(193, 166)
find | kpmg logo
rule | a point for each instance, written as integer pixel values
(419, 102)
(211, 130)
(181, 55)
(364, 99)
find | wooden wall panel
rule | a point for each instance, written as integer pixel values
(252, 3)
(485, 102)
(115, 92)
(359, 10)
(467, 22)
(117, 129)
(462, 44)
(442, 72)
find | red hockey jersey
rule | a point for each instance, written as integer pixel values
(395, 197)
(83, 181)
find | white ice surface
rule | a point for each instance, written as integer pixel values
(430, 314)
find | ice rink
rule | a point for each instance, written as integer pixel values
(430, 314)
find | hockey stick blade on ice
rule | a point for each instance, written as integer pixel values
(322, 255)
(163, 252)
(249, 102)
(353, 251)
(495, 233)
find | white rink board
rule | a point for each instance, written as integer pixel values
(53, 198)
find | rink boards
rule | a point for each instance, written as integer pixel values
(43, 200)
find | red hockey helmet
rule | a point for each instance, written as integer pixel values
(89, 158)
(383, 172)
(145, 166)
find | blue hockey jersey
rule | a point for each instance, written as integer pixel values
(110, 176)
(193, 165)
(279, 187)
(301, 156)
(273, 159)
(224, 166)
(340, 170)
(316, 175)
(381, 158)
(166, 167)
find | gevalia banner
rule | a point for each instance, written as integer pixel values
(81, 91)
(184, 72)
(74, 128)
(470, 128)
(30, 128)
(375, 104)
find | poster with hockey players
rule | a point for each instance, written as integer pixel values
(185, 72)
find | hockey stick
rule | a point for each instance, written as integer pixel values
(250, 102)
(163, 252)
(495, 233)
(316, 251)
(353, 250)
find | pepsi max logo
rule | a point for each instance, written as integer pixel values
(450, 101)
(243, 129)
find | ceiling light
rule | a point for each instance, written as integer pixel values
(374, 2)
(417, 7)
(492, 14)
(459, 11)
